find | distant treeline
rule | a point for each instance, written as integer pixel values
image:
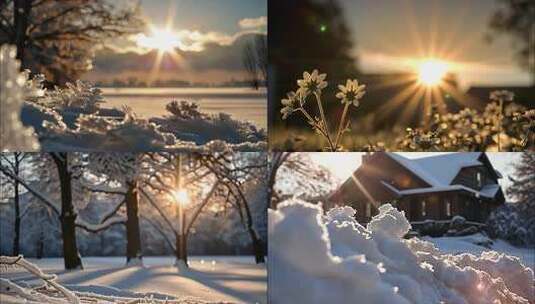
(172, 83)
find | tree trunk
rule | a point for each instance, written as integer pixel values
(16, 239)
(180, 251)
(21, 14)
(40, 246)
(68, 216)
(133, 238)
(258, 247)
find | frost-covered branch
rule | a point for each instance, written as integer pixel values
(201, 206)
(153, 203)
(19, 261)
(160, 230)
(112, 212)
(95, 228)
(38, 194)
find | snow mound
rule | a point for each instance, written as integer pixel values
(331, 258)
(390, 221)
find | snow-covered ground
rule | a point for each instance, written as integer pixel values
(470, 244)
(331, 258)
(242, 103)
(209, 278)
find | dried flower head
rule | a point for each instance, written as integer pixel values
(351, 93)
(502, 95)
(312, 83)
(290, 103)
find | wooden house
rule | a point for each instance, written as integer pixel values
(435, 187)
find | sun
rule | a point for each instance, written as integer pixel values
(432, 71)
(161, 39)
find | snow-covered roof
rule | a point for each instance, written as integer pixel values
(439, 170)
(488, 193)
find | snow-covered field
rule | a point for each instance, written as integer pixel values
(331, 258)
(470, 244)
(209, 278)
(243, 104)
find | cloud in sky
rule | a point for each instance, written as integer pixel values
(251, 23)
(215, 54)
(196, 40)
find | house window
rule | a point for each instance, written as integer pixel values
(368, 210)
(424, 213)
(478, 178)
(448, 208)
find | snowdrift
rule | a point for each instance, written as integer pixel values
(331, 258)
(71, 119)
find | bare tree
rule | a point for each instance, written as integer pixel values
(233, 170)
(67, 172)
(58, 38)
(261, 49)
(250, 64)
(255, 60)
(298, 169)
(275, 161)
(14, 163)
(126, 170)
(172, 172)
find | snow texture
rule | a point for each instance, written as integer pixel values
(316, 258)
(106, 280)
(439, 170)
(70, 119)
(14, 87)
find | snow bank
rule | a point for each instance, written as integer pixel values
(331, 258)
(70, 119)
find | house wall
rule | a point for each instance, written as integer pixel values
(366, 191)
(436, 207)
(468, 177)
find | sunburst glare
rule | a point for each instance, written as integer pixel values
(432, 71)
(161, 39)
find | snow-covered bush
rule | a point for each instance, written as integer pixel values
(189, 124)
(76, 97)
(316, 258)
(514, 222)
(70, 119)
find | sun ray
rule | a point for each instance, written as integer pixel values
(412, 104)
(155, 70)
(413, 29)
(439, 99)
(398, 99)
(363, 189)
(393, 82)
(464, 99)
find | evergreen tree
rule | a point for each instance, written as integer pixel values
(523, 184)
(515, 222)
